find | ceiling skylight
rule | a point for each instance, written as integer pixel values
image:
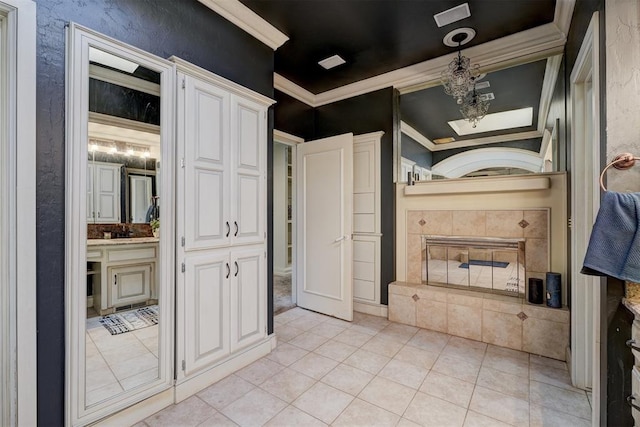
(332, 61)
(495, 121)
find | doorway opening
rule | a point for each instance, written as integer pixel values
(284, 295)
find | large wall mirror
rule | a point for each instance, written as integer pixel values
(119, 221)
(518, 134)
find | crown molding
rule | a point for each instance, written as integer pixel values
(548, 86)
(526, 46)
(248, 20)
(408, 130)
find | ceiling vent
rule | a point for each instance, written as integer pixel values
(332, 61)
(487, 96)
(482, 85)
(452, 15)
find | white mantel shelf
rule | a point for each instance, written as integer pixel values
(500, 184)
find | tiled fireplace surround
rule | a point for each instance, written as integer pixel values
(507, 321)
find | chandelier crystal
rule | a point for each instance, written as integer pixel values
(474, 108)
(459, 77)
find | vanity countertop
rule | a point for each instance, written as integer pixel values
(123, 241)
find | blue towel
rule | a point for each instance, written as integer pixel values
(614, 246)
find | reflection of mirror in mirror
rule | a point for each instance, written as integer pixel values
(515, 137)
(122, 253)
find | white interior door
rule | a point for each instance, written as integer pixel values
(324, 223)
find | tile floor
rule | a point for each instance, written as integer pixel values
(373, 372)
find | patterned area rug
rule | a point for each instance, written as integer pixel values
(127, 321)
(282, 294)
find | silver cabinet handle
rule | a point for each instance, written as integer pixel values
(632, 345)
(228, 229)
(228, 270)
(341, 238)
(237, 269)
(236, 224)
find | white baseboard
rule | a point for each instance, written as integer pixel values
(139, 411)
(192, 385)
(373, 309)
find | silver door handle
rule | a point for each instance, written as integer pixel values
(341, 238)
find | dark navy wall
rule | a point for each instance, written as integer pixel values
(183, 28)
(525, 144)
(413, 150)
(294, 117)
(366, 113)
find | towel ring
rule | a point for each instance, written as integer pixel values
(622, 161)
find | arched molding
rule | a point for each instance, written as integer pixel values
(473, 160)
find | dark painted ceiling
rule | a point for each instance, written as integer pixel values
(429, 110)
(377, 36)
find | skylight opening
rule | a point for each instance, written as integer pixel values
(495, 121)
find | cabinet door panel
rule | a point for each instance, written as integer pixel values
(130, 284)
(206, 166)
(247, 298)
(206, 310)
(246, 133)
(107, 187)
(249, 210)
(90, 202)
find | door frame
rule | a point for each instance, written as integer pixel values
(585, 111)
(291, 141)
(18, 350)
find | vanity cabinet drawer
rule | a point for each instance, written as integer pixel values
(131, 254)
(93, 254)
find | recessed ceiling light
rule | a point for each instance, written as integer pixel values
(482, 85)
(495, 121)
(444, 140)
(452, 15)
(332, 61)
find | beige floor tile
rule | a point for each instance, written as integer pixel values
(381, 344)
(306, 322)
(541, 416)
(292, 416)
(448, 388)
(289, 315)
(314, 365)
(104, 392)
(433, 412)
(567, 401)
(348, 379)
(508, 409)
(367, 328)
(466, 348)
(139, 378)
(507, 363)
(140, 424)
(398, 332)
(429, 340)
(287, 385)
(254, 408)
(308, 341)
(286, 354)
(503, 382)
(388, 395)
(287, 332)
(134, 366)
(494, 350)
(352, 337)
(475, 419)
(218, 420)
(534, 359)
(259, 371)
(361, 413)
(339, 322)
(367, 361)
(548, 375)
(461, 368)
(327, 330)
(404, 373)
(225, 391)
(407, 423)
(416, 356)
(335, 350)
(323, 402)
(189, 412)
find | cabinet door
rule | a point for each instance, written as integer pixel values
(130, 284)
(91, 213)
(107, 189)
(206, 310)
(248, 141)
(248, 297)
(203, 122)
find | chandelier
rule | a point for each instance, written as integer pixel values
(474, 108)
(459, 77)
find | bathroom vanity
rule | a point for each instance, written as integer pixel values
(121, 273)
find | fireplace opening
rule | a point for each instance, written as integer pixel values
(483, 263)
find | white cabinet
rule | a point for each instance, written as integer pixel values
(221, 223)
(366, 218)
(103, 192)
(130, 284)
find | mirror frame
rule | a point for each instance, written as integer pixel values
(79, 39)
